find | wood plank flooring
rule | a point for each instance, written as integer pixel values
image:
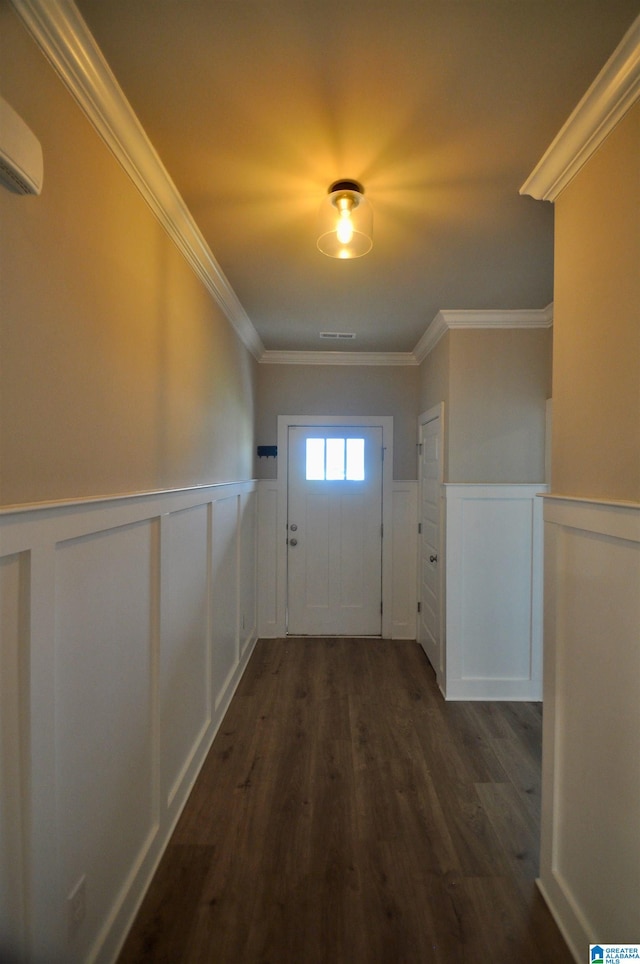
(346, 813)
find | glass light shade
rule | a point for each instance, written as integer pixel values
(346, 222)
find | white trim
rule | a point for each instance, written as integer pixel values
(590, 547)
(267, 574)
(435, 412)
(386, 422)
(120, 497)
(620, 520)
(338, 358)
(59, 30)
(431, 337)
(609, 503)
(405, 542)
(494, 555)
(500, 318)
(447, 319)
(148, 536)
(610, 96)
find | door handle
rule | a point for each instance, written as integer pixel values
(293, 542)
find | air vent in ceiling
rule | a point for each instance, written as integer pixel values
(338, 335)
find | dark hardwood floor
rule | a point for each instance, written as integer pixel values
(346, 813)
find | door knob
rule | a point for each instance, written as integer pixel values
(433, 558)
(293, 542)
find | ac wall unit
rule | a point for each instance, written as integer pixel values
(20, 153)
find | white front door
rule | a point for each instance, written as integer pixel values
(334, 531)
(429, 562)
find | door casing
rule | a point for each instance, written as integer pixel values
(386, 424)
(437, 412)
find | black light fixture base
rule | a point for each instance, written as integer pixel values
(346, 185)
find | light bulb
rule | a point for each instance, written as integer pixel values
(344, 230)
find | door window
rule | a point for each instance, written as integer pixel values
(335, 460)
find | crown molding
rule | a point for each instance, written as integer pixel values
(500, 318)
(480, 320)
(63, 36)
(613, 92)
(443, 322)
(338, 358)
(431, 337)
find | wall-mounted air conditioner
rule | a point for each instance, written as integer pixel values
(20, 153)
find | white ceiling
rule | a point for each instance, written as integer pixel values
(441, 108)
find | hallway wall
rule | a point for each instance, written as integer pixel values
(590, 850)
(118, 371)
(494, 384)
(340, 390)
(127, 600)
(596, 404)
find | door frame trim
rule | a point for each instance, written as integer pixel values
(436, 412)
(385, 422)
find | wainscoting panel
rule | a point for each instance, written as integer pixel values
(104, 643)
(405, 560)
(590, 848)
(225, 596)
(248, 575)
(13, 639)
(185, 658)
(126, 625)
(268, 625)
(494, 592)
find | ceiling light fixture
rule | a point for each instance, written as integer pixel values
(346, 221)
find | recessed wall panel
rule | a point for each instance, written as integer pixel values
(248, 602)
(224, 592)
(13, 639)
(105, 601)
(598, 686)
(184, 661)
(496, 580)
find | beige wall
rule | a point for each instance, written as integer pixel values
(592, 553)
(434, 387)
(596, 417)
(434, 375)
(494, 384)
(499, 383)
(339, 390)
(118, 372)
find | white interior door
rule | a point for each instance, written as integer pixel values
(334, 531)
(429, 562)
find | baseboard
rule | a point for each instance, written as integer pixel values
(567, 919)
(494, 689)
(120, 931)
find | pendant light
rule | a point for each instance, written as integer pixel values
(346, 221)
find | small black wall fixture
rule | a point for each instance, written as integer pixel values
(267, 451)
